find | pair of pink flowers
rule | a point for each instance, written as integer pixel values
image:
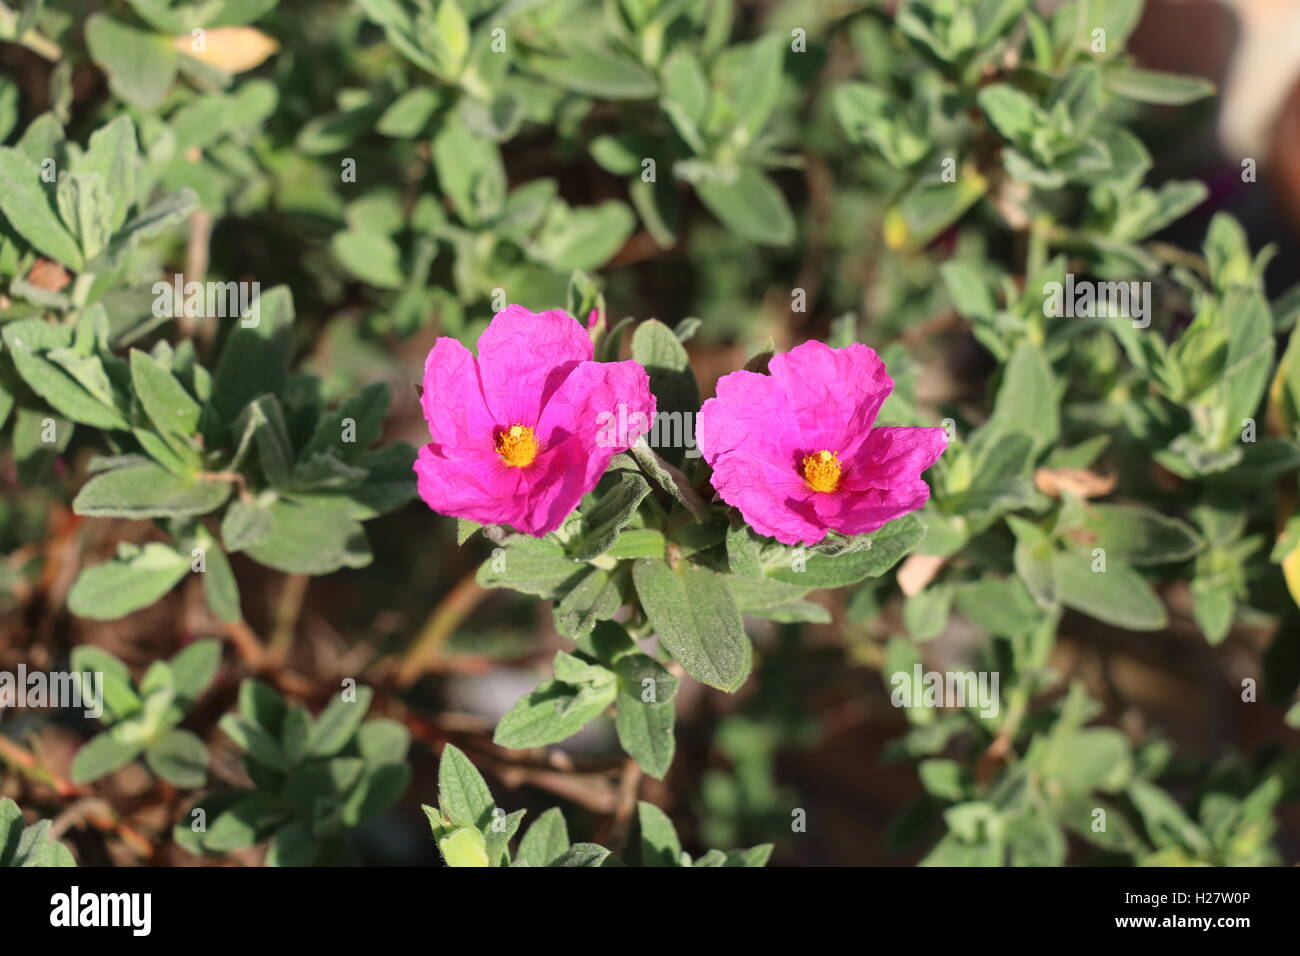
(515, 433)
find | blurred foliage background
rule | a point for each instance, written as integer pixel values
(908, 175)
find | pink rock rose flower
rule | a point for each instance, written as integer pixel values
(795, 452)
(517, 436)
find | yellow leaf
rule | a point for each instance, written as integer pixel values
(1291, 571)
(230, 49)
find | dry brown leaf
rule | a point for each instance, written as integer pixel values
(49, 275)
(918, 571)
(230, 49)
(1077, 481)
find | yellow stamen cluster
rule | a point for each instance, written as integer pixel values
(821, 472)
(517, 446)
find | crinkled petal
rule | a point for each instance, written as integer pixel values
(864, 511)
(882, 481)
(774, 500)
(534, 500)
(523, 357)
(574, 454)
(604, 406)
(833, 394)
(893, 457)
(453, 401)
(463, 484)
(749, 416)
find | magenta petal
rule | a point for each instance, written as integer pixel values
(894, 457)
(591, 404)
(863, 512)
(775, 501)
(757, 431)
(749, 416)
(882, 481)
(534, 500)
(453, 398)
(466, 485)
(833, 394)
(524, 357)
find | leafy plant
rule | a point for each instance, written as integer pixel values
(143, 720)
(28, 846)
(904, 182)
(314, 778)
(472, 831)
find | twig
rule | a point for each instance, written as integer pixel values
(36, 42)
(451, 610)
(613, 833)
(94, 811)
(287, 611)
(246, 643)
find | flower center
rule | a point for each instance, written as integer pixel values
(517, 446)
(821, 471)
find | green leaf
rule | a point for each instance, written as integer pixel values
(312, 535)
(245, 524)
(1152, 86)
(1137, 535)
(292, 845)
(645, 712)
(219, 586)
(695, 617)
(165, 401)
(143, 489)
(533, 566)
(140, 65)
(596, 72)
(596, 597)
(464, 846)
(1028, 402)
(659, 843)
(584, 237)
(11, 829)
(604, 522)
(500, 833)
(925, 614)
(660, 352)
(244, 823)
(753, 857)
(470, 172)
(463, 795)
(194, 668)
(256, 741)
(408, 115)
(584, 854)
(103, 754)
(27, 204)
(998, 605)
(32, 344)
(546, 840)
(1095, 758)
(127, 583)
(555, 711)
(761, 84)
(1165, 821)
(255, 357)
(874, 554)
(371, 257)
(179, 757)
(750, 206)
(331, 731)
(1015, 114)
(1118, 595)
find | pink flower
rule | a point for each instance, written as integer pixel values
(796, 453)
(517, 436)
